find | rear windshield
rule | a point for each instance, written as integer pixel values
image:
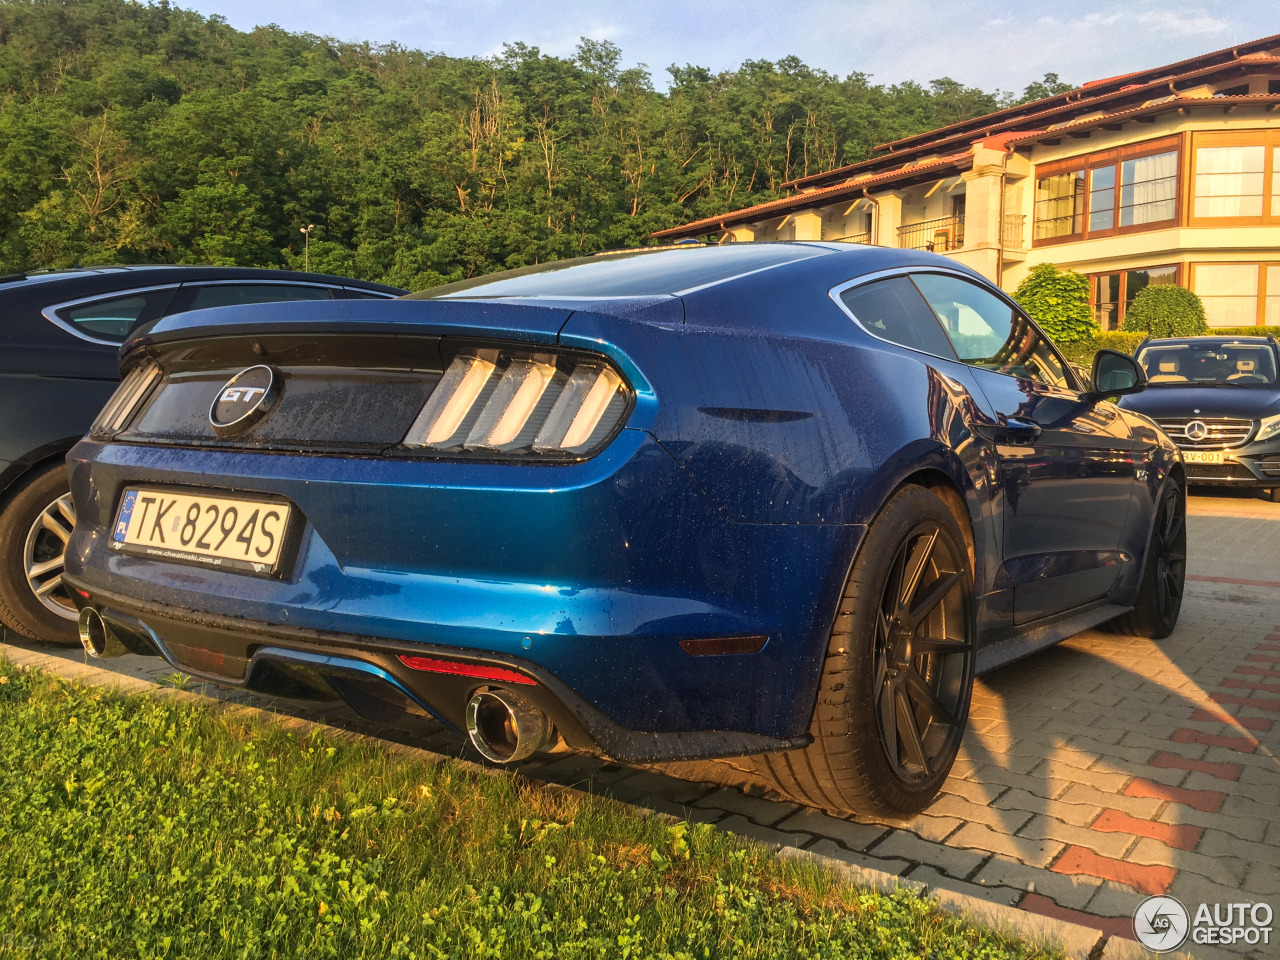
(671, 270)
(1217, 362)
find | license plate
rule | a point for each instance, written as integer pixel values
(1203, 456)
(234, 533)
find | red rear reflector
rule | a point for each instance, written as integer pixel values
(722, 646)
(83, 593)
(479, 671)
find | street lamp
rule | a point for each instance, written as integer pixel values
(306, 246)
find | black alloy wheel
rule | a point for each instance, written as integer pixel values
(923, 656)
(1169, 553)
(1159, 601)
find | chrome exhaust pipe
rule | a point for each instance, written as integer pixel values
(505, 727)
(98, 639)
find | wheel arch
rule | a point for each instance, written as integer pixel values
(949, 492)
(13, 477)
(939, 468)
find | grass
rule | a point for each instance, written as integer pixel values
(155, 827)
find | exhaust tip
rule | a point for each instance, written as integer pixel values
(505, 727)
(97, 638)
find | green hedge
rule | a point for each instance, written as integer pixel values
(1082, 351)
(1166, 310)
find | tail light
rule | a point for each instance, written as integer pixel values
(516, 403)
(126, 401)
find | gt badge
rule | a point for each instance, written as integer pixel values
(244, 399)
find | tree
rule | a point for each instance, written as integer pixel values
(1058, 300)
(1166, 310)
(1050, 86)
(134, 131)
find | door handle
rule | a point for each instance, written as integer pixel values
(1021, 430)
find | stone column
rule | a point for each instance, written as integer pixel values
(808, 225)
(886, 218)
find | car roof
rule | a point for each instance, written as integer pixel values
(126, 274)
(1261, 340)
(680, 269)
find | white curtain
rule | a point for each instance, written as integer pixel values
(1147, 189)
(1229, 292)
(1229, 181)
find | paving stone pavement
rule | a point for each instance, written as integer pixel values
(1094, 774)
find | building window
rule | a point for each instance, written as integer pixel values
(1102, 199)
(1233, 293)
(1106, 300)
(1235, 178)
(1113, 293)
(1116, 191)
(1271, 298)
(1135, 280)
(1275, 181)
(1229, 181)
(1149, 189)
(1059, 205)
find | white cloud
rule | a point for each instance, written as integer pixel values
(1181, 24)
(986, 43)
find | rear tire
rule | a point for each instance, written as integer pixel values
(898, 674)
(1155, 613)
(35, 524)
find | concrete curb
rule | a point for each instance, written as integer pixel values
(1077, 942)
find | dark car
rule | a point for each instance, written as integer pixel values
(59, 339)
(1218, 399)
(775, 499)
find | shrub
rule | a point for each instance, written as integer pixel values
(1082, 351)
(1166, 310)
(1245, 331)
(1058, 300)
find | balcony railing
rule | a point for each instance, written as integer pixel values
(1013, 231)
(853, 238)
(941, 235)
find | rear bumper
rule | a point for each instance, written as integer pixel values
(370, 676)
(584, 577)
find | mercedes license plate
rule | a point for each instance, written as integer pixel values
(1203, 456)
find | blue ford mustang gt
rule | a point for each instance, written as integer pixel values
(782, 500)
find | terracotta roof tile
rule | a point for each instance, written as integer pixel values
(801, 200)
(1172, 103)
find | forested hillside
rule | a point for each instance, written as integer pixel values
(135, 133)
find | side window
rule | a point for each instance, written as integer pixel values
(893, 310)
(229, 294)
(111, 318)
(355, 293)
(986, 332)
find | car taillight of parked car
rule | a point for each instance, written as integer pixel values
(128, 398)
(502, 403)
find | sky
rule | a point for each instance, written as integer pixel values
(991, 44)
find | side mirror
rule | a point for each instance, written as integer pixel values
(1115, 374)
